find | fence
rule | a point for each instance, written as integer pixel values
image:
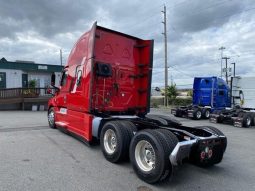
(25, 92)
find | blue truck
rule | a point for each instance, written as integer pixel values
(209, 94)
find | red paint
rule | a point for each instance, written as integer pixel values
(125, 92)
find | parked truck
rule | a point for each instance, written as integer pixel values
(209, 94)
(242, 112)
(104, 95)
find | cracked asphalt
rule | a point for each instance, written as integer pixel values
(35, 157)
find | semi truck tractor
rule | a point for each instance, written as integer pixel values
(242, 112)
(209, 93)
(104, 96)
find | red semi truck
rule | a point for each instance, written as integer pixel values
(104, 95)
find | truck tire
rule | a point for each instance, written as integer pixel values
(178, 113)
(247, 120)
(206, 113)
(253, 118)
(149, 152)
(114, 141)
(197, 114)
(51, 118)
(217, 151)
(130, 127)
(170, 138)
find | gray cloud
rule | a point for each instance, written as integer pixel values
(36, 30)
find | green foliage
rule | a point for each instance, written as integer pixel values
(171, 91)
(190, 93)
(156, 102)
(31, 83)
(180, 101)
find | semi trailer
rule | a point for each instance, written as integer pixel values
(242, 112)
(209, 94)
(104, 96)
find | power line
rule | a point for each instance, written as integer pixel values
(203, 9)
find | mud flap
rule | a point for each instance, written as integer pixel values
(208, 152)
(237, 121)
(190, 113)
(214, 118)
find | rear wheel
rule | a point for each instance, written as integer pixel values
(247, 120)
(207, 114)
(197, 114)
(114, 141)
(51, 118)
(130, 126)
(149, 152)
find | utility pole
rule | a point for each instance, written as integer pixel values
(61, 62)
(221, 48)
(234, 69)
(226, 59)
(166, 67)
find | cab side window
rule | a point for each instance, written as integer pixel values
(63, 78)
(221, 92)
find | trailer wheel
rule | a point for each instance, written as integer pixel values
(51, 118)
(114, 141)
(149, 152)
(247, 120)
(197, 114)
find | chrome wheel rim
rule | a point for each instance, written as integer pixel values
(207, 114)
(51, 118)
(248, 121)
(110, 141)
(199, 114)
(145, 156)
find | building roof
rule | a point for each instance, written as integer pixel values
(29, 66)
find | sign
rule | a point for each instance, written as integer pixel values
(226, 70)
(40, 67)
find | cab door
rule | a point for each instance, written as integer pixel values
(61, 100)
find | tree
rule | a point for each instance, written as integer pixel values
(190, 93)
(171, 91)
(32, 83)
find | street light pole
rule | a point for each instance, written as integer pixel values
(221, 48)
(166, 66)
(234, 68)
(226, 59)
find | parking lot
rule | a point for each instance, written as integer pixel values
(34, 157)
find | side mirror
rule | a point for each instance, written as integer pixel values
(79, 75)
(53, 79)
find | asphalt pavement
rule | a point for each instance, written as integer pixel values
(35, 157)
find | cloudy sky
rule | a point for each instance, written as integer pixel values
(36, 30)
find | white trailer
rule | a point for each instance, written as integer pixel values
(242, 113)
(243, 92)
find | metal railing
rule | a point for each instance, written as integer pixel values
(25, 92)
